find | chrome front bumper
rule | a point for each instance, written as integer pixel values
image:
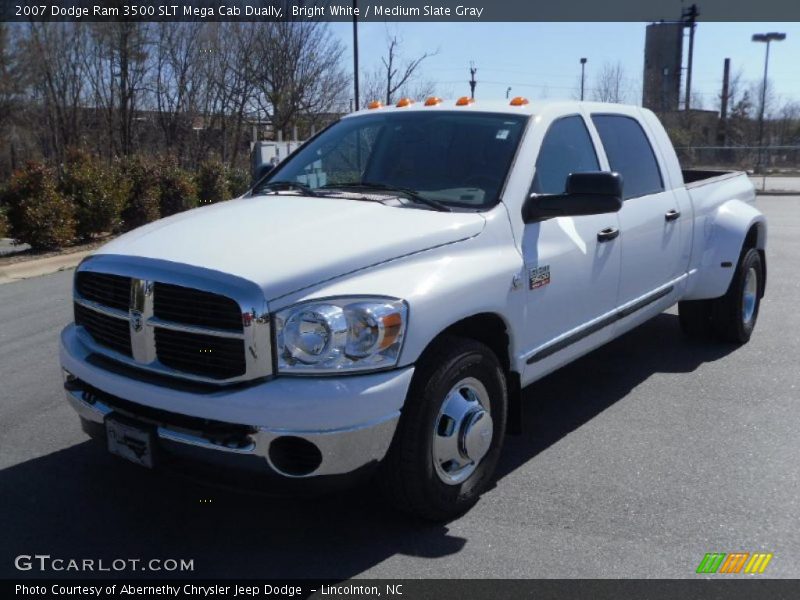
(350, 420)
(343, 450)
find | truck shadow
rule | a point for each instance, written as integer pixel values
(566, 399)
(82, 503)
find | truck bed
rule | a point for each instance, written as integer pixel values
(698, 177)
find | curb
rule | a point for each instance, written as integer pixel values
(42, 266)
(777, 193)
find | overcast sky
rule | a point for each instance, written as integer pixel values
(542, 59)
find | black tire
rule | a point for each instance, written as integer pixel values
(729, 317)
(695, 318)
(408, 474)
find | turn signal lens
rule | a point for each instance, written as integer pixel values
(404, 102)
(519, 101)
(464, 101)
(433, 101)
(375, 104)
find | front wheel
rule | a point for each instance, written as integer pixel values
(450, 433)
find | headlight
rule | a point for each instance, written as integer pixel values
(340, 335)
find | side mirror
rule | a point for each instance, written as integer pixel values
(594, 193)
(259, 172)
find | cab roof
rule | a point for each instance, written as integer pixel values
(503, 107)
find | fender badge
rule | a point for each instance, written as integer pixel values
(538, 277)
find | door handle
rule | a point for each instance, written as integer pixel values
(671, 215)
(607, 234)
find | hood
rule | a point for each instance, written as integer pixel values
(288, 242)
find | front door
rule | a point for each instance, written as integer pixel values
(572, 263)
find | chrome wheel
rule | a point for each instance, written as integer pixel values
(749, 295)
(462, 432)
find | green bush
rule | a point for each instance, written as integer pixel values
(97, 192)
(212, 182)
(38, 214)
(4, 226)
(144, 192)
(177, 190)
(238, 181)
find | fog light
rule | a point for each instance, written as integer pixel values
(294, 456)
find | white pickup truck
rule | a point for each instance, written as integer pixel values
(377, 302)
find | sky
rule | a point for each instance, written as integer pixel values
(541, 60)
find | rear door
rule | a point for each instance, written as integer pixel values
(650, 219)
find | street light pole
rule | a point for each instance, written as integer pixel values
(766, 38)
(355, 52)
(583, 73)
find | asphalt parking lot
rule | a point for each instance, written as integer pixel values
(635, 462)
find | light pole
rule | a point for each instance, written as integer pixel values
(583, 73)
(508, 92)
(773, 36)
(355, 53)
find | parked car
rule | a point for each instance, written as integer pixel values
(377, 302)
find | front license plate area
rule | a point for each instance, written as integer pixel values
(130, 440)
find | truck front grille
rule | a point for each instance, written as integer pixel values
(105, 289)
(173, 329)
(208, 355)
(195, 307)
(106, 330)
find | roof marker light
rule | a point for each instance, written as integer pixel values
(404, 102)
(433, 101)
(464, 101)
(519, 101)
(375, 104)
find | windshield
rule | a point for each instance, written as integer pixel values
(438, 158)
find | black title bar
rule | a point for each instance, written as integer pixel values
(393, 10)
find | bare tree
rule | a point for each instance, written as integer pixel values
(398, 76)
(53, 55)
(297, 74)
(8, 76)
(176, 79)
(610, 84)
(117, 70)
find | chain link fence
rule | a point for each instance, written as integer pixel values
(772, 160)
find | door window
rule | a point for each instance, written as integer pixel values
(566, 148)
(630, 154)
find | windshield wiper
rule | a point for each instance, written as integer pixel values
(412, 195)
(285, 185)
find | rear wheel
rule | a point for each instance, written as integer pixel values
(735, 314)
(450, 433)
(732, 317)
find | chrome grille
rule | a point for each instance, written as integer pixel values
(209, 355)
(173, 327)
(105, 289)
(106, 330)
(195, 307)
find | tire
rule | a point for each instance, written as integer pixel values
(446, 416)
(734, 315)
(695, 318)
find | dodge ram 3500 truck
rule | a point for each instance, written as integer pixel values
(381, 297)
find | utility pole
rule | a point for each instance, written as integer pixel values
(472, 82)
(689, 18)
(508, 92)
(583, 75)
(766, 38)
(722, 135)
(355, 52)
